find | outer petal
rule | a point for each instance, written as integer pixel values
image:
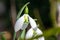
(19, 23)
(32, 22)
(29, 33)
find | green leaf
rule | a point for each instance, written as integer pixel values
(3, 38)
(23, 34)
(14, 36)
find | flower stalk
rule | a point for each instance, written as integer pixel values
(19, 14)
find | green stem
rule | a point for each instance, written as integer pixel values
(22, 36)
(19, 14)
(14, 36)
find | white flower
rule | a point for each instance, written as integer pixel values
(30, 33)
(21, 25)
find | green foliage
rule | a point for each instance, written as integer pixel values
(3, 38)
(51, 38)
(14, 36)
(22, 36)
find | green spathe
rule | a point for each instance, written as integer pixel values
(26, 10)
(20, 12)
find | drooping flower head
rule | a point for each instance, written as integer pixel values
(22, 20)
(22, 23)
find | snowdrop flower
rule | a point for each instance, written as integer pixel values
(20, 23)
(24, 20)
(30, 33)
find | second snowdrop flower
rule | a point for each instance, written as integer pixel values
(32, 33)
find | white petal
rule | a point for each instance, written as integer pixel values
(39, 32)
(29, 33)
(25, 25)
(32, 22)
(19, 23)
(41, 38)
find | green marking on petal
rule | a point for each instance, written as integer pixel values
(35, 34)
(26, 18)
